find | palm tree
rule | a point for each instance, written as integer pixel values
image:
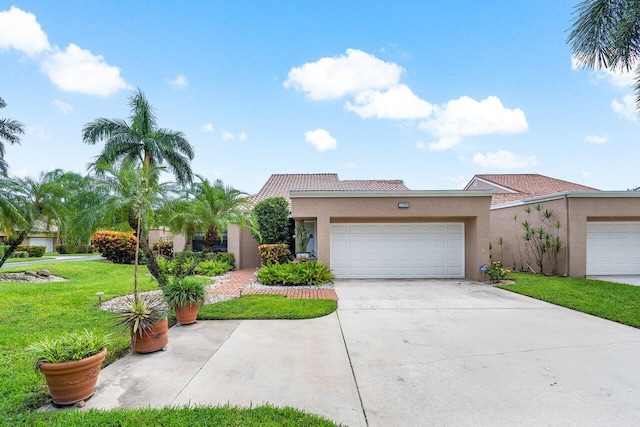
(28, 201)
(9, 131)
(140, 141)
(210, 208)
(606, 34)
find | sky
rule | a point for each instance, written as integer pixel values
(429, 92)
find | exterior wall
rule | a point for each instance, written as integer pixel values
(243, 246)
(472, 210)
(512, 252)
(582, 210)
(158, 234)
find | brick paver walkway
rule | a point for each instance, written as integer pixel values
(239, 281)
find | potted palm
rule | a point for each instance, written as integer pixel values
(71, 364)
(302, 241)
(185, 296)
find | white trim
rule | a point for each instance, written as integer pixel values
(493, 184)
(389, 194)
(575, 194)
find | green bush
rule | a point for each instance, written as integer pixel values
(226, 257)
(278, 253)
(274, 225)
(116, 246)
(20, 254)
(164, 249)
(62, 249)
(3, 249)
(497, 272)
(33, 251)
(70, 347)
(188, 290)
(295, 274)
(212, 268)
(85, 249)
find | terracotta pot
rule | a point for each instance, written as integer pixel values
(73, 382)
(152, 339)
(187, 314)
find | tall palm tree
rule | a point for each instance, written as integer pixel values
(140, 141)
(9, 131)
(29, 201)
(211, 208)
(606, 34)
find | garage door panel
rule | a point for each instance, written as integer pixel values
(613, 248)
(391, 250)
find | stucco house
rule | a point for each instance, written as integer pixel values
(600, 230)
(380, 228)
(40, 235)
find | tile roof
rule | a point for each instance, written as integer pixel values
(279, 185)
(524, 186)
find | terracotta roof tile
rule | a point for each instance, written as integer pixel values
(528, 185)
(279, 185)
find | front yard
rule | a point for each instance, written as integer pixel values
(613, 301)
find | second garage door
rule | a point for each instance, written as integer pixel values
(613, 248)
(420, 250)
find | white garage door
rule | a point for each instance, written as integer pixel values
(613, 248)
(422, 250)
(42, 241)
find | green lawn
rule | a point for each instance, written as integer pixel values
(267, 307)
(613, 301)
(32, 311)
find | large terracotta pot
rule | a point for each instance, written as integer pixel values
(187, 314)
(152, 339)
(73, 382)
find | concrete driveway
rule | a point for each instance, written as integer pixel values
(400, 353)
(626, 280)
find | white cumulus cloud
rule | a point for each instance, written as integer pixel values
(597, 139)
(242, 136)
(503, 159)
(398, 102)
(21, 31)
(62, 106)
(78, 70)
(227, 136)
(626, 108)
(467, 117)
(351, 73)
(207, 127)
(321, 140)
(180, 82)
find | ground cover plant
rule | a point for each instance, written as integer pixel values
(613, 301)
(295, 274)
(31, 312)
(268, 307)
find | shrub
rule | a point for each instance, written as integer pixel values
(70, 347)
(85, 249)
(116, 246)
(164, 249)
(188, 290)
(3, 249)
(20, 254)
(212, 268)
(295, 274)
(277, 253)
(226, 257)
(272, 216)
(33, 251)
(497, 272)
(62, 249)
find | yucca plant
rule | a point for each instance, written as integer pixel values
(140, 313)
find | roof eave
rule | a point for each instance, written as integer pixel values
(388, 194)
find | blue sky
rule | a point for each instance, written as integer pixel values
(427, 92)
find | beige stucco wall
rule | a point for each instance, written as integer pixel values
(243, 246)
(473, 211)
(157, 234)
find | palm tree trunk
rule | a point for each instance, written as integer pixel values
(209, 240)
(12, 248)
(143, 241)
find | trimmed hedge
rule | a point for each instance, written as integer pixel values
(33, 251)
(116, 246)
(20, 254)
(82, 249)
(277, 253)
(295, 274)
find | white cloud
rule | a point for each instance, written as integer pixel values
(62, 106)
(180, 82)
(321, 140)
(242, 136)
(421, 145)
(207, 127)
(38, 131)
(397, 102)
(626, 109)
(616, 78)
(78, 70)
(350, 165)
(21, 31)
(597, 139)
(467, 117)
(227, 136)
(503, 159)
(332, 78)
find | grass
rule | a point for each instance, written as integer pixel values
(267, 307)
(613, 301)
(31, 312)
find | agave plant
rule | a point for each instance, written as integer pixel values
(139, 313)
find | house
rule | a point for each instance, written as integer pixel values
(599, 230)
(380, 228)
(40, 235)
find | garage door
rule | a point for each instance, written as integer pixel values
(42, 241)
(422, 250)
(613, 248)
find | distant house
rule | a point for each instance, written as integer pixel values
(41, 235)
(600, 230)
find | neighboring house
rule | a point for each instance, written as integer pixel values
(600, 230)
(380, 228)
(41, 235)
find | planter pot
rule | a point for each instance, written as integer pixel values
(72, 382)
(152, 339)
(187, 314)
